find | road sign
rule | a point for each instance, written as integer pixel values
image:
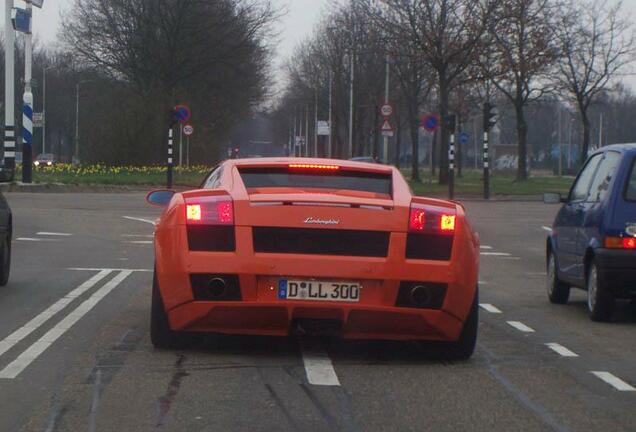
(21, 20)
(463, 138)
(188, 130)
(36, 3)
(387, 129)
(181, 113)
(386, 110)
(322, 128)
(38, 119)
(430, 122)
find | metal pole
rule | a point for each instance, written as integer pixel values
(600, 132)
(77, 90)
(44, 110)
(27, 111)
(316, 125)
(169, 172)
(307, 130)
(9, 88)
(560, 144)
(385, 149)
(475, 142)
(294, 143)
(188, 152)
(180, 144)
(451, 166)
(351, 104)
(330, 110)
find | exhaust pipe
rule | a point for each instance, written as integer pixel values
(420, 296)
(216, 287)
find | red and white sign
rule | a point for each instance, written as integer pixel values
(387, 129)
(386, 110)
(188, 130)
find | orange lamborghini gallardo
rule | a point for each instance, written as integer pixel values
(268, 246)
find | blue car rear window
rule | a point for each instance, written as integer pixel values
(630, 191)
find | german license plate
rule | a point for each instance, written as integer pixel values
(292, 289)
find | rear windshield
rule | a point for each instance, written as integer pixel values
(340, 180)
(630, 191)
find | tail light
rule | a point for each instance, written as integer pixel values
(620, 242)
(209, 210)
(210, 223)
(432, 220)
(431, 232)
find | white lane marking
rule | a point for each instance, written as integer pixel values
(149, 242)
(561, 350)
(486, 247)
(111, 269)
(32, 239)
(29, 355)
(490, 308)
(520, 326)
(138, 235)
(318, 366)
(148, 221)
(483, 283)
(7, 343)
(497, 254)
(45, 233)
(614, 381)
(547, 228)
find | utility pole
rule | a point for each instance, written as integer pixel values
(451, 126)
(385, 149)
(329, 151)
(27, 110)
(77, 90)
(351, 78)
(9, 88)
(306, 130)
(316, 125)
(44, 109)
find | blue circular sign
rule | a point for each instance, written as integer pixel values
(181, 113)
(430, 122)
(463, 138)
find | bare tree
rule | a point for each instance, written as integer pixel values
(447, 33)
(518, 56)
(597, 43)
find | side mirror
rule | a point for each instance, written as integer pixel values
(6, 175)
(160, 197)
(553, 198)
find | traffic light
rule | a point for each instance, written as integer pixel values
(450, 122)
(490, 116)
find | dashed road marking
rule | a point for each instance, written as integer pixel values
(520, 326)
(144, 242)
(29, 355)
(614, 381)
(34, 239)
(138, 219)
(7, 343)
(496, 254)
(318, 366)
(55, 234)
(138, 235)
(490, 308)
(111, 269)
(561, 350)
(547, 228)
(485, 247)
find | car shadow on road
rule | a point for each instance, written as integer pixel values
(624, 311)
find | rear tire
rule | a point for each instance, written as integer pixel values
(5, 259)
(600, 302)
(558, 292)
(161, 335)
(464, 347)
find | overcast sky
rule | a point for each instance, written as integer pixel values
(296, 25)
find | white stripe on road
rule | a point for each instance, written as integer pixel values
(45, 233)
(32, 239)
(149, 242)
(29, 355)
(547, 228)
(138, 235)
(499, 254)
(110, 269)
(561, 350)
(489, 308)
(614, 381)
(520, 326)
(486, 247)
(148, 221)
(7, 343)
(318, 366)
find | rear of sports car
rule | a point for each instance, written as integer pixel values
(321, 247)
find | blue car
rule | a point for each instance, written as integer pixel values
(593, 240)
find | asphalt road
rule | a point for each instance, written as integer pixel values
(75, 353)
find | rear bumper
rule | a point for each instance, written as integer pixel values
(617, 270)
(275, 319)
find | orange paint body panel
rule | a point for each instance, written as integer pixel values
(260, 311)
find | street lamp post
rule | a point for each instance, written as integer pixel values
(386, 101)
(44, 109)
(27, 110)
